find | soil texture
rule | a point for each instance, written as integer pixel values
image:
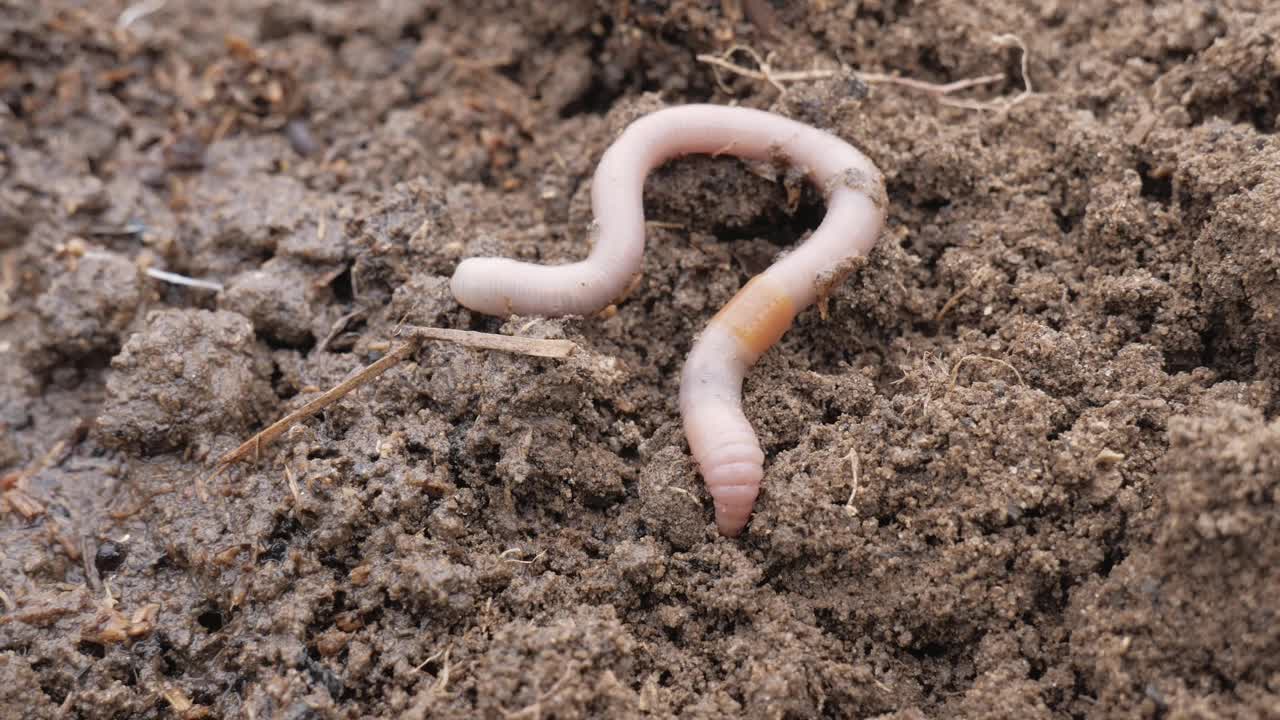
(1027, 466)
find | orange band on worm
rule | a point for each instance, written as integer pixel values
(759, 314)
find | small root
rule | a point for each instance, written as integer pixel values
(436, 656)
(442, 680)
(509, 553)
(765, 73)
(183, 280)
(940, 91)
(1007, 40)
(535, 710)
(684, 492)
(854, 464)
(951, 303)
(955, 369)
(338, 326)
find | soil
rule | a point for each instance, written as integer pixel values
(1027, 466)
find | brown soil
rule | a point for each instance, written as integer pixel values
(1028, 467)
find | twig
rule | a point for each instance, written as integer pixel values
(536, 347)
(416, 336)
(254, 444)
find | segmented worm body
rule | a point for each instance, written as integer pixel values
(720, 437)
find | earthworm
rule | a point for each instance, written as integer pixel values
(720, 437)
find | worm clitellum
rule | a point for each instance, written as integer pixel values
(720, 437)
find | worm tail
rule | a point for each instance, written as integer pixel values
(720, 436)
(729, 458)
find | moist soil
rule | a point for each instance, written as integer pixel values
(1027, 465)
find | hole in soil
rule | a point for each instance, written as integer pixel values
(57, 695)
(411, 32)
(170, 664)
(210, 620)
(320, 673)
(831, 414)
(1258, 105)
(1217, 351)
(1264, 119)
(91, 649)
(884, 13)
(934, 205)
(784, 232)
(109, 557)
(276, 550)
(930, 650)
(343, 290)
(275, 343)
(278, 542)
(283, 390)
(597, 98)
(1155, 188)
(1114, 556)
(510, 71)
(1066, 221)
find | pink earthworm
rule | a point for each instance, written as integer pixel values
(720, 437)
